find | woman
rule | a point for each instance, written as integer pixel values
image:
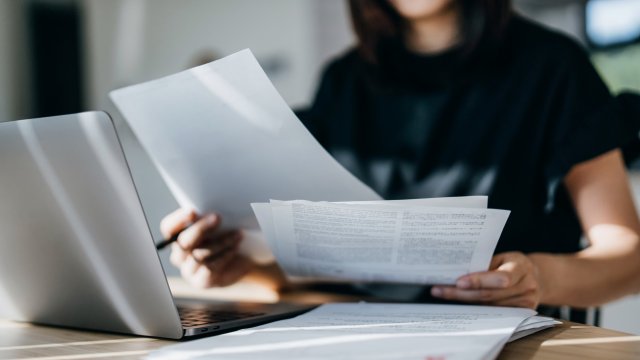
(451, 98)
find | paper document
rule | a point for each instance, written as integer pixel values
(427, 241)
(533, 325)
(222, 137)
(366, 331)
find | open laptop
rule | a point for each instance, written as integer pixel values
(75, 246)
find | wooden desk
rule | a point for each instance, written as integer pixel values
(24, 341)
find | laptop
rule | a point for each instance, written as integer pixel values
(75, 246)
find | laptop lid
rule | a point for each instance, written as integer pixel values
(75, 247)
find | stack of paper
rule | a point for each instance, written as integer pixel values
(368, 331)
(424, 241)
(533, 325)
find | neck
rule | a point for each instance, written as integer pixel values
(433, 34)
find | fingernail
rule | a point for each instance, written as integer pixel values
(463, 283)
(436, 291)
(211, 219)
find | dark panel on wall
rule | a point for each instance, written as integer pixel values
(56, 57)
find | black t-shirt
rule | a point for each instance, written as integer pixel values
(508, 120)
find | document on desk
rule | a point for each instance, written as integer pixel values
(533, 325)
(223, 137)
(425, 241)
(367, 331)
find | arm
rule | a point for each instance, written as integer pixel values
(609, 268)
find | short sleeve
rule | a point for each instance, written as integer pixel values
(629, 104)
(585, 121)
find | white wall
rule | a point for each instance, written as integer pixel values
(136, 40)
(332, 32)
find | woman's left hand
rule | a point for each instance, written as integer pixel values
(511, 281)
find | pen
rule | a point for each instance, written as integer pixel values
(166, 242)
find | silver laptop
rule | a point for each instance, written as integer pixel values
(75, 246)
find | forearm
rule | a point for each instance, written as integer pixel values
(590, 277)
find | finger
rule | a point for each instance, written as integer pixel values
(189, 267)
(515, 270)
(219, 262)
(506, 275)
(197, 233)
(484, 280)
(480, 295)
(497, 260)
(177, 221)
(178, 255)
(214, 247)
(235, 270)
(205, 278)
(517, 266)
(210, 273)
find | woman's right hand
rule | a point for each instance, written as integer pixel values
(205, 255)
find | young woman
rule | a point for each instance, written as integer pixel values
(452, 98)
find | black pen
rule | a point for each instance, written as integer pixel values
(166, 242)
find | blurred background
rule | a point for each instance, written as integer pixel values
(64, 56)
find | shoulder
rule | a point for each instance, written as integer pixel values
(540, 45)
(342, 67)
(551, 64)
(339, 77)
(335, 86)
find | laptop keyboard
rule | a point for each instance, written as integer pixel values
(191, 317)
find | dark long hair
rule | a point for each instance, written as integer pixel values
(376, 20)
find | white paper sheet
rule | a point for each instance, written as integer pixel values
(366, 331)
(380, 242)
(479, 202)
(222, 137)
(263, 214)
(533, 325)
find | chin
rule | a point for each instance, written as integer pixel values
(420, 9)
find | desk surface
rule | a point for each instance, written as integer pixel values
(24, 341)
